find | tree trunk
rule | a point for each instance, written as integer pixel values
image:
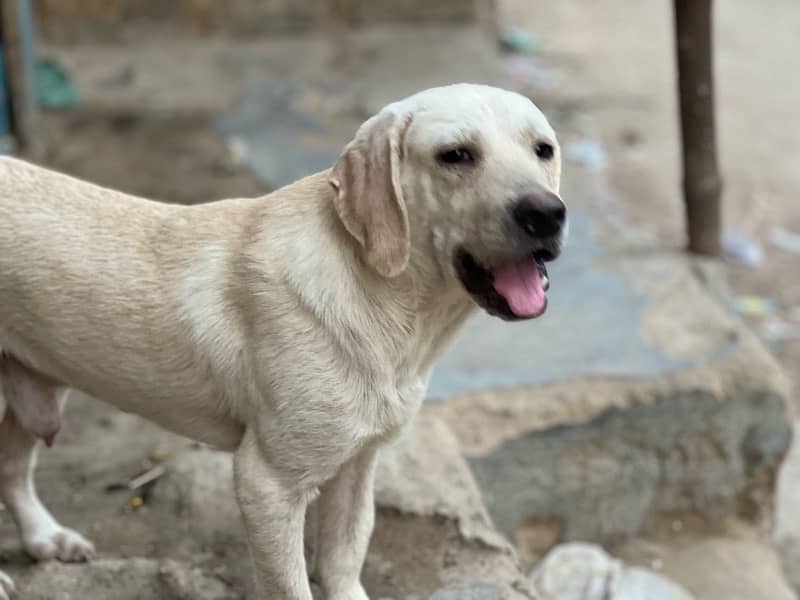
(702, 185)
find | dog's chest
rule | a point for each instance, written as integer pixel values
(431, 333)
(394, 409)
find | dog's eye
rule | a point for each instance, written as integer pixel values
(544, 150)
(455, 156)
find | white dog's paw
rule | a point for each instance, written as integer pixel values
(355, 593)
(7, 590)
(61, 543)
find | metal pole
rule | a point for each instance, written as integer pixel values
(702, 185)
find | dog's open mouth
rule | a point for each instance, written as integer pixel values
(513, 291)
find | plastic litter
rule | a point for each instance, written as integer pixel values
(54, 87)
(742, 248)
(121, 79)
(588, 151)
(525, 71)
(159, 456)
(776, 330)
(785, 239)
(518, 41)
(754, 306)
(148, 476)
(238, 150)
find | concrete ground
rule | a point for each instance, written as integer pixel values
(613, 63)
(637, 402)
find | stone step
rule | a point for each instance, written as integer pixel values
(121, 579)
(600, 458)
(433, 531)
(737, 564)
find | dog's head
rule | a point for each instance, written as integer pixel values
(461, 181)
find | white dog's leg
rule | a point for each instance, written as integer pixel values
(274, 515)
(42, 536)
(7, 589)
(346, 518)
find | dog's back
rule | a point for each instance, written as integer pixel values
(87, 293)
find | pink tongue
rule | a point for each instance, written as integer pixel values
(521, 285)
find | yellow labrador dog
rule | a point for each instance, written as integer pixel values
(296, 330)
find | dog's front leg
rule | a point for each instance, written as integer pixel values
(274, 515)
(346, 518)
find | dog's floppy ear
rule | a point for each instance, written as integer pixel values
(368, 197)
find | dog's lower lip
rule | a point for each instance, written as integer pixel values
(542, 272)
(480, 283)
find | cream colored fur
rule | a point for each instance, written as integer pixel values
(296, 330)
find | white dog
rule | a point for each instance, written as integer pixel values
(297, 330)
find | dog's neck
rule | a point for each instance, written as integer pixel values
(436, 327)
(419, 312)
(440, 309)
(411, 317)
(418, 315)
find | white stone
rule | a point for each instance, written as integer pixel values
(580, 571)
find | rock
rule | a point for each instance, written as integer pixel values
(734, 565)
(473, 590)
(423, 474)
(579, 571)
(433, 534)
(130, 579)
(190, 583)
(535, 537)
(787, 524)
(643, 584)
(598, 458)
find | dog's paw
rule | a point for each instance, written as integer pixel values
(60, 543)
(7, 590)
(355, 593)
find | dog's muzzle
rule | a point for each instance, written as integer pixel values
(516, 289)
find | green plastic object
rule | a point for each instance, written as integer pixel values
(518, 41)
(54, 88)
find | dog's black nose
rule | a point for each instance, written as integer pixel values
(540, 214)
